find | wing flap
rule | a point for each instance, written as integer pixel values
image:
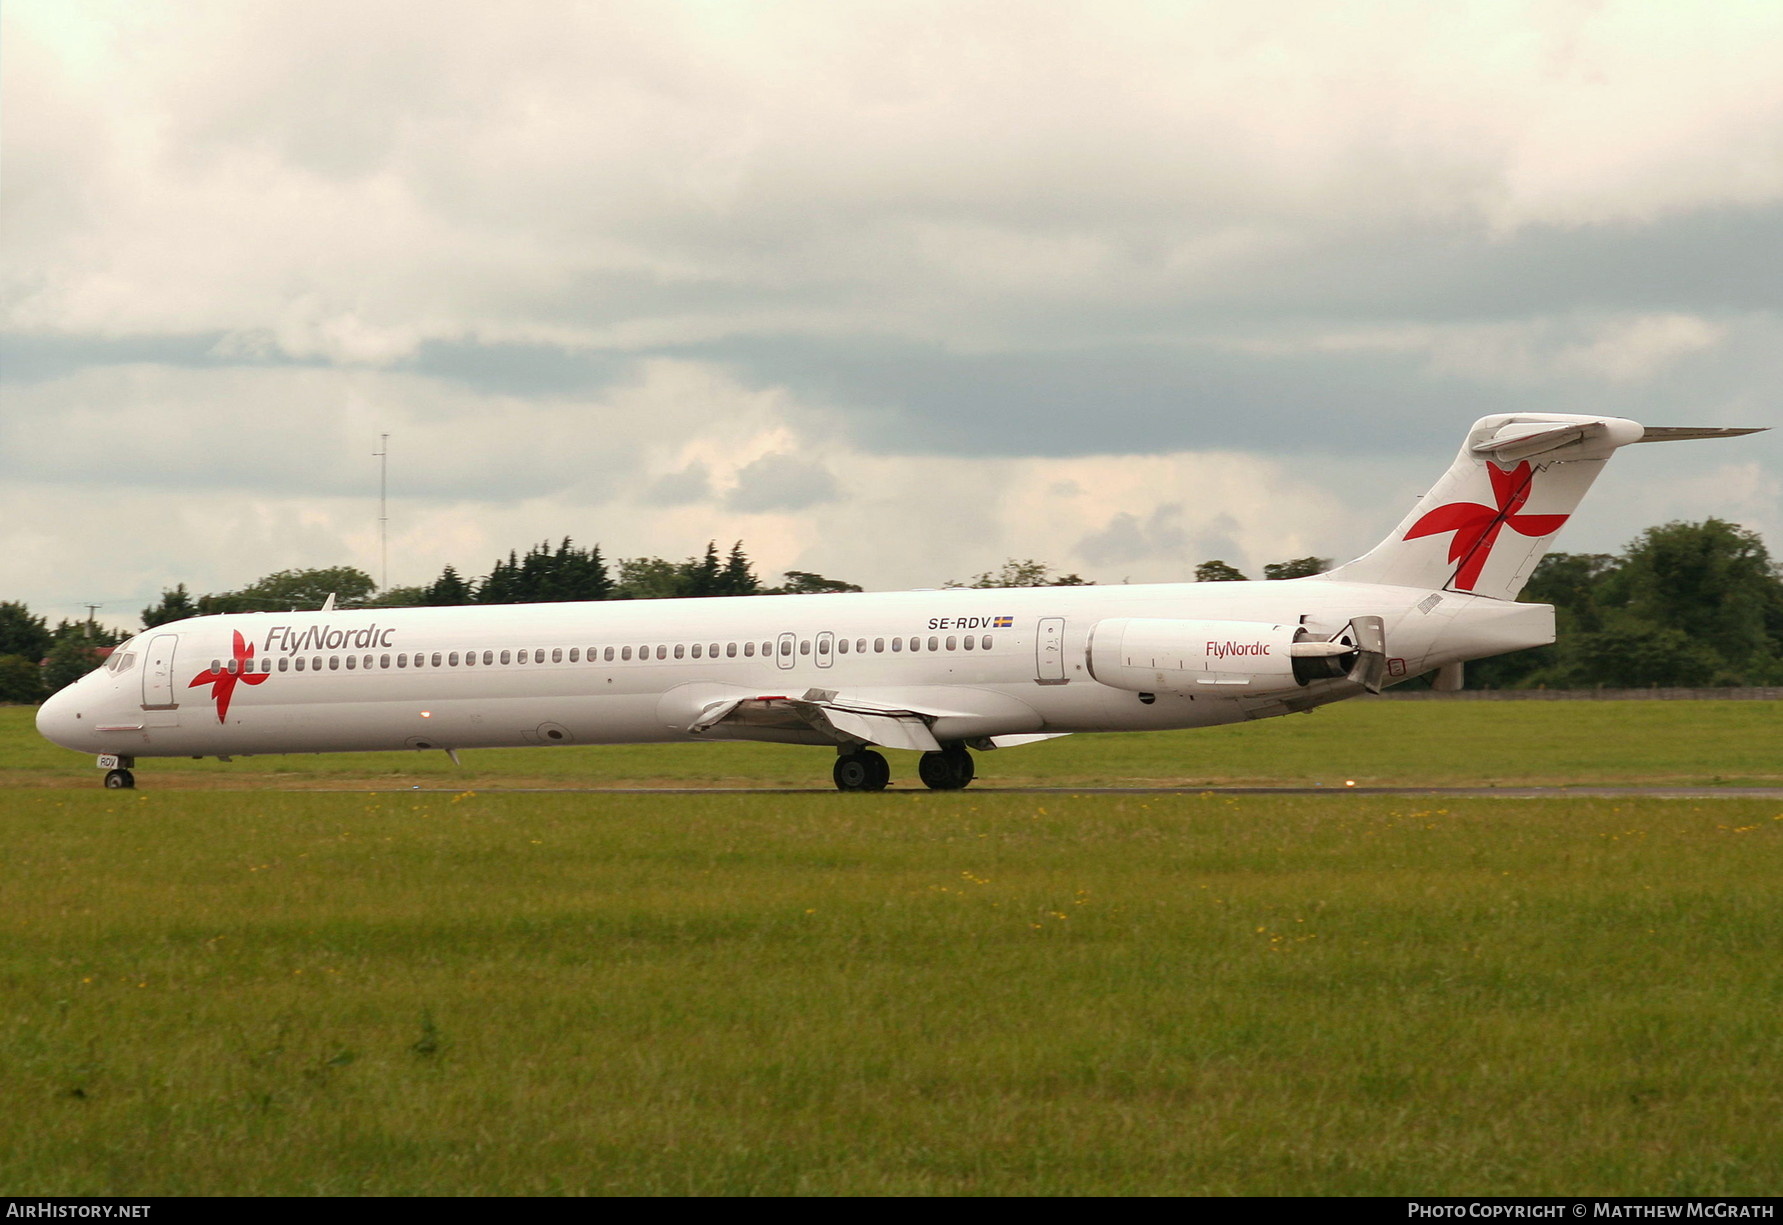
(820, 711)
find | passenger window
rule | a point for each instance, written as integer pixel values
(470, 659)
(680, 651)
(842, 646)
(970, 642)
(767, 648)
(662, 652)
(805, 647)
(504, 657)
(712, 650)
(951, 643)
(383, 661)
(266, 664)
(300, 663)
(897, 644)
(402, 661)
(730, 650)
(334, 663)
(985, 642)
(557, 655)
(316, 664)
(285, 665)
(696, 650)
(823, 646)
(352, 661)
(934, 643)
(488, 657)
(436, 659)
(625, 654)
(879, 646)
(609, 656)
(749, 649)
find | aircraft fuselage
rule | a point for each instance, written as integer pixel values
(976, 663)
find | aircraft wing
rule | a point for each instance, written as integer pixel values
(827, 714)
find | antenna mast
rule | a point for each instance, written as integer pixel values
(383, 457)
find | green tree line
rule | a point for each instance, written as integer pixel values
(1684, 605)
(36, 660)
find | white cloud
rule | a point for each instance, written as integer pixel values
(1619, 349)
(351, 181)
(215, 477)
(348, 189)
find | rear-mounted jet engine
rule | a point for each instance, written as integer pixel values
(1155, 655)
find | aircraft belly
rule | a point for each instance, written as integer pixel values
(1092, 707)
(332, 727)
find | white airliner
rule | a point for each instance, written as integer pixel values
(936, 672)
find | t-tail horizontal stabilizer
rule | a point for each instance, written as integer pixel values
(1489, 520)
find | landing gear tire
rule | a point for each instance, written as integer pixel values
(861, 771)
(949, 770)
(119, 780)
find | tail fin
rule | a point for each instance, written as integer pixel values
(1492, 516)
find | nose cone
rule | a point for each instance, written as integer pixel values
(60, 719)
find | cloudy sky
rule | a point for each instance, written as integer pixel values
(887, 291)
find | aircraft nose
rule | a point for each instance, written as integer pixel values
(59, 719)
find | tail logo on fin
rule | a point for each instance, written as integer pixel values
(1476, 527)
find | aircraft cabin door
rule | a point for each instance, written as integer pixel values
(157, 673)
(787, 652)
(826, 647)
(1049, 651)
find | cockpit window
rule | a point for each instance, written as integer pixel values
(123, 658)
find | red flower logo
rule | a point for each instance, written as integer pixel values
(223, 682)
(1476, 527)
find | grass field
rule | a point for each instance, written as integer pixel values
(229, 993)
(252, 979)
(1398, 743)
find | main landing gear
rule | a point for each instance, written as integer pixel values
(949, 770)
(861, 770)
(865, 770)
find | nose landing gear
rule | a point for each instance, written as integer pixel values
(117, 771)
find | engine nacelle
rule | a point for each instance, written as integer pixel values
(1155, 655)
